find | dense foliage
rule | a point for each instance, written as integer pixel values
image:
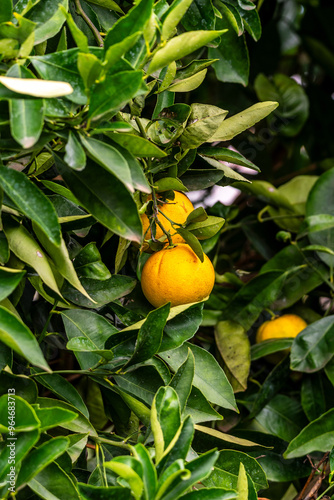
(104, 107)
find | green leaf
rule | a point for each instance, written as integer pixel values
(270, 346)
(230, 174)
(242, 483)
(199, 408)
(209, 377)
(282, 417)
(169, 184)
(165, 420)
(211, 494)
(232, 52)
(252, 298)
(75, 156)
(88, 263)
(62, 67)
(9, 279)
(108, 4)
(243, 120)
(207, 228)
(114, 93)
(136, 145)
(316, 436)
(18, 337)
(200, 15)
(150, 335)
(90, 492)
(319, 203)
(193, 242)
(80, 425)
(6, 11)
(40, 458)
(203, 122)
(228, 155)
(54, 417)
(109, 158)
(24, 442)
(149, 471)
(105, 198)
(135, 20)
(181, 46)
(78, 36)
(183, 378)
(101, 291)
(31, 201)
(90, 68)
(4, 248)
(26, 120)
(63, 389)
(130, 469)
(314, 346)
(62, 260)
(234, 347)
(22, 385)
(82, 344)
(24, 415)
(182, 326)
(313, 396)
(173, 16)
(115, 52)
(51, 483)
(23, 245)
(92, 326)
(226, 470)
(49, 18)
(292, 98)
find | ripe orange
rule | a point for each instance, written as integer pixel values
(176, 210)
(288, 325)
(177, 275)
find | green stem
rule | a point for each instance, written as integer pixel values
(119, 444)
(67, 372)
(88, 21)
(324, 492)
(44, 331)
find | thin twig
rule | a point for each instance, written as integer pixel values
(88, 21)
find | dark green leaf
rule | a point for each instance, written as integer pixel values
(313, 396)
(182, 327)
(192, 241)
(22, 386)
(88, 263)
(18, 337)
(6, 11)
(54, 481)
(207, 228)
(137, 145)
(183, 378)
(90, 492)
(270, 346)
(226, 154)
(314, 346)
(31, 201)
(26, 120)
(75, 156)
(24, 442)
(9, 279)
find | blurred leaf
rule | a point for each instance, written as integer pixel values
(269, 346)
(36, 88)
(31, 201)
(9, 279)
(200, 15)
(90, 492)
(230, 174)
(319, 203)
(4, 248)
(226, 470)
(75, 156)
(293, 101)
(6, 11)
(314, 346)
(316, 436)
(228, 438)
(18, 337)
(234, 347)
(181, 46)
(232, 53)
(242, 121)
(209, 377)
(173, 16)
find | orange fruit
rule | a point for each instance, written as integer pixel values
(177, 275)
(288, 325)
(177, 210)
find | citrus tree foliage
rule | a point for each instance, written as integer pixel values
(113, 398)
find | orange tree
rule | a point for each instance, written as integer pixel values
(103, 395)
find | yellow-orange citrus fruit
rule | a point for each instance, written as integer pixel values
(288, 325)
(177, 275)
(177, 210)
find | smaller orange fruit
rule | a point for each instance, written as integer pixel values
(288, 325)
(177, 210)
(177, 275)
